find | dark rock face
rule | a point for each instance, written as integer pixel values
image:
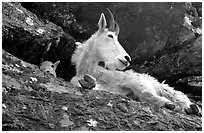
(27, 37)
(191, 85)
(79, 19)
(143, 25)
(24, 34)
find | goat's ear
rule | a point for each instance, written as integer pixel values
(56, 63)
(102, 22)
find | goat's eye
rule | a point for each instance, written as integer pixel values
(111, 36)
(52, 66)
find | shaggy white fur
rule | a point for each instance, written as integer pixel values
(100, 47)
(144, 87)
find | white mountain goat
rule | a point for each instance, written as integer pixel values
(48, 66)
(99, 62)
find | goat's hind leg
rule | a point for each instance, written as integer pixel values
(156, 100)
(183, 102)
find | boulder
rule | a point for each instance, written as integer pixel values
(35, 40)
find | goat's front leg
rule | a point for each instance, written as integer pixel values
(87, 82)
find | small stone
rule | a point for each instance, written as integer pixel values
(92, 123)
(33, 79)
(64, 108)
(24, 107)
(122, 108)
(110, 104)
(17, 65)
(29, 21)
(40, 31)
(3, 105)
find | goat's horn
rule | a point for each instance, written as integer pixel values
(112, 21)
(117, 29)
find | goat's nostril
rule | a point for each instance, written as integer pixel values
(127, 58)
(101, 63)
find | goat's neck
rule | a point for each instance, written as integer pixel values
(88, 60)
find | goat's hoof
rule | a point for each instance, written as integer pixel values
(87, 82)
(89, 79)
(83, 83)
(170, 106)
(194, 109)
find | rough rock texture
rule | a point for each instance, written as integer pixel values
(31, 39)
(33, 100)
